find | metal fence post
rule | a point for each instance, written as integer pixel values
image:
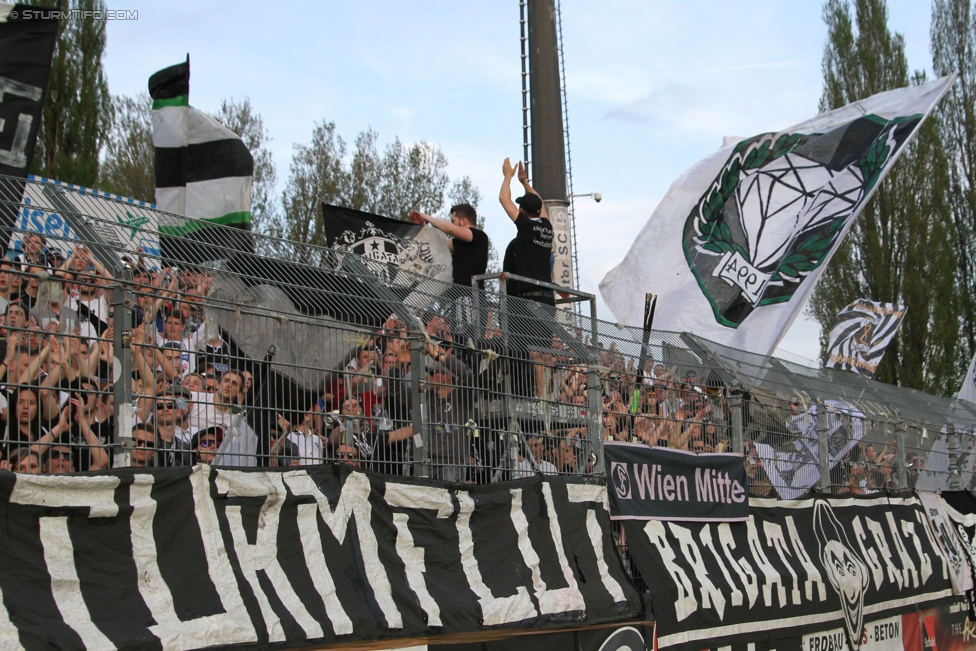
(823, 438)
(594, 416)
(738, 436)
(594, 395)
(901, 439)
(418, 389)
(953, 439)
(123, 310)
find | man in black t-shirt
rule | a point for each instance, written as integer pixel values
(530, 253)
(469, 245)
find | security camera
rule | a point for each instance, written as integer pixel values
(597, 197)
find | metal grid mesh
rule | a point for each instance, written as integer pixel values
(277, 353)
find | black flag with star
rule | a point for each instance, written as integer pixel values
(388, 244)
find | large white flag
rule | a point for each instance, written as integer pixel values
(861, 334)
(737, 244)
(968, 389)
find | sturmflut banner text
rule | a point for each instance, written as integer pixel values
(202, 558)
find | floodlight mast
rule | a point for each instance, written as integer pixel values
(548, 168)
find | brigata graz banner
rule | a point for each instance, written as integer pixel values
(792, 568)
(649, 483)
(189, 559)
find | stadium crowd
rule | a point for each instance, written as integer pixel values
(57, 403)
(56, 342)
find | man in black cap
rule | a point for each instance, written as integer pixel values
(530, 253)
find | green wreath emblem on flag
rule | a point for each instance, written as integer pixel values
(775, 212)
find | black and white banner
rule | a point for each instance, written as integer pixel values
(792, 568)
(200, 558)
(960, 508)
(648, 483)
(949, 541)
(861, 334)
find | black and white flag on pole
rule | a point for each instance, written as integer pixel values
(204, 171)
(27, 42)
(861, 334)
(796, 469)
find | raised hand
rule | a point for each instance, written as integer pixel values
(78, 405)
(283, 424)
(13, 339)
(507, 170)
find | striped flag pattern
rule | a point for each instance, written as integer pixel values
(203, 169)
(861, 334)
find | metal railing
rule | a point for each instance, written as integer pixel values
(239, 349)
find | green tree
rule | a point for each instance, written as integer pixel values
(899, 249)
(316, 175)
(128, 167)
(413, 178)
(77, 111)
(401, 179)
(362, 191)
(953, 42)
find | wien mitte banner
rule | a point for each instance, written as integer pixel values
(651, 483)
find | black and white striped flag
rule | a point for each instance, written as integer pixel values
(861, 334)
(204, 171)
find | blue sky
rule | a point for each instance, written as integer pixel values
(652, 86)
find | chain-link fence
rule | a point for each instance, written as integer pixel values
(243, 350)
